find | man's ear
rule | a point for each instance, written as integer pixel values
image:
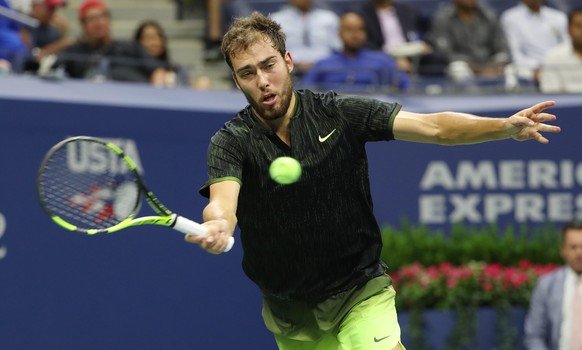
(289, 61)
(235, 81)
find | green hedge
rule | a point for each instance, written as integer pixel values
(463, 244)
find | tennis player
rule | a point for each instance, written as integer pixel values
(313, 247)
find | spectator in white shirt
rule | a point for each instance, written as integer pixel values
(312, 33)
(562, 67)
(531, 29)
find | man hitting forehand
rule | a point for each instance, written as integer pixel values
(313, 246)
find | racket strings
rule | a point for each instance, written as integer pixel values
(88, 186)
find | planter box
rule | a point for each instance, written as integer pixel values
(438, 325)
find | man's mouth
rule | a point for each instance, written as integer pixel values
(269, 99)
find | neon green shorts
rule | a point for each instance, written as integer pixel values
(358, 319)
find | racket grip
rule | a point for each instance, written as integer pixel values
(190, 227)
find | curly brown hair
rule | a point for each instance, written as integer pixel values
(245, 31)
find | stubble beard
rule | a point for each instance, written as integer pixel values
(280, 109)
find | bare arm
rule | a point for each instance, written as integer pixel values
(219, 217)
(452, 128)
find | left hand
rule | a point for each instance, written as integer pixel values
(530, 123)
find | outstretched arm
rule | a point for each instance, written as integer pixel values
(219, 217)
(452, 128)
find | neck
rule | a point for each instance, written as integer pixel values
(383, 4)
(534, 8)
(99, 42)
(466, 13)
(351, 52)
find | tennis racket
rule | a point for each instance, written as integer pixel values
(88, 185)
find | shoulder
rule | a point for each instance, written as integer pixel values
(558, 53)
(77, 46)
(126, 45)
(551, 278)
(325, 15)
(445, 11)
(554, 13)
(366, 9)
(332, 59)
(354, 105)
(239, 126)
(285, 13)
(311, 98)
(376, 55)
(403, 7)
(488, 14)
(512, 13)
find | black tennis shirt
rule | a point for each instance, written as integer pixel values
(318, 236)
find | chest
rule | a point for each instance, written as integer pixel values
(325, 148)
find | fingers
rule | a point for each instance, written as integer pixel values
(543, 117)
(548, 128)
(540, 138)
(214, 244)
(540, 107)
(535, 119)
(535, 133)
(535, 113)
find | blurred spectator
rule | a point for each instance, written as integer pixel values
(312, 33)
(554, 320)
(214, 30)
(219, 15)
(356, 68)
(562, 67)
(12, 46)
(50, 36)
(152, 37)
(470, 37)
(393, 26)
(97, 56)
(22, 6)
(532, 29)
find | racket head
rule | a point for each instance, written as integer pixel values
(88, 185)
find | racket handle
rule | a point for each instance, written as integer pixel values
(190, 227)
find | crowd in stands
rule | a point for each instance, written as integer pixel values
(386, 46)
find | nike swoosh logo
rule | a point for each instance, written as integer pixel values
(322, 139)
(377, 340)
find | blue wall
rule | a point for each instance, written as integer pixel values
(144, 288)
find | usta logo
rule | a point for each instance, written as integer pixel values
(93, 158)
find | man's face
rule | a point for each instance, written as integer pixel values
(303, 5)
(571, 249)
(466, 4)
(97, 24)
(534, 5)
(352, 32)
(575, 31)
(42, 12)
(264, 77)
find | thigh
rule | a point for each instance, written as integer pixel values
(372, 324)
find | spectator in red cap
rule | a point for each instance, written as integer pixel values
(96, 55)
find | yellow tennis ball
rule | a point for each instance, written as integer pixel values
(285, 170)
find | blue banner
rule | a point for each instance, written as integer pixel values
(144, 288)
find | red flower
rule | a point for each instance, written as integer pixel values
(445, 285)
